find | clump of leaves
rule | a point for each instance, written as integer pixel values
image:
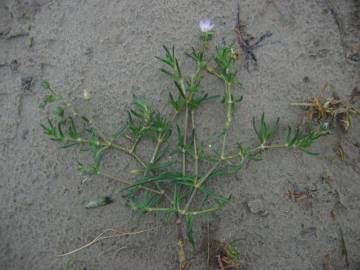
(181, 189)
(224, 255)
(331, 110)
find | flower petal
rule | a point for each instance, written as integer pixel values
(206, 25)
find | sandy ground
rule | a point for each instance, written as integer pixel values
(108, 46)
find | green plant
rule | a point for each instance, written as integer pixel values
(180, 190)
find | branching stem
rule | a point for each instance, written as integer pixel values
(157, 148)
(159, 142)
(129, 152)
(98, 131)
(198, 185)
(228, 122)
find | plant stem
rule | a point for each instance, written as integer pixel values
(110, 143)
(198, 185)
(212, 71)
(152, 209)
(222, 157)
(181, 243)
(196, 165)
(194, 213)
(228, 121)
(160, 140)
(132, 149)
(157, 148)
(113, 145)
(196, 157)
(265, 147)
(91, 121)
(101, 134)
(101, 236)
(208, 174)
(80, 140)
(115, 178)
(181, 235)
(128, 152)
(185, 139)
(304, 104)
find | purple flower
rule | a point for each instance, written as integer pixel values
(206, 25)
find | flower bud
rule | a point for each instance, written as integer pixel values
(137, 171)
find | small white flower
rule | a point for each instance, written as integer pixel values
(206, 25)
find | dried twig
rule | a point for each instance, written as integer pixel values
(339, 25)
(103, 236)
(330, 109)
(247, 43)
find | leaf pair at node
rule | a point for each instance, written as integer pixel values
(265, 131)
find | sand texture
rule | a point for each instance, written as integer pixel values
(108, 47)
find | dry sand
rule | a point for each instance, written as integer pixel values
(108, 47)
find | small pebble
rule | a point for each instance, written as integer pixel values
(26, 83)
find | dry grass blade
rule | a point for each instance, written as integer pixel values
(103, 236)
(330, 109)
(344, 251)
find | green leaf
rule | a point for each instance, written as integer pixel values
(48, 99)
(61, 134)
(198, 100)
(45, 84)
(265, 131)
(88, 169)
(59, 112)
(67, 145)
(232, 252)
(166, 177)
(72, 129)
(177, 104)
(120, 131)
(178, 68)
(189, 229)
(304, 141)
(255, 129)
(143, 202)
(288, 137)
(220, 200)
(181, 91)
(163, 70)
(99, 155)
(164, 61)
